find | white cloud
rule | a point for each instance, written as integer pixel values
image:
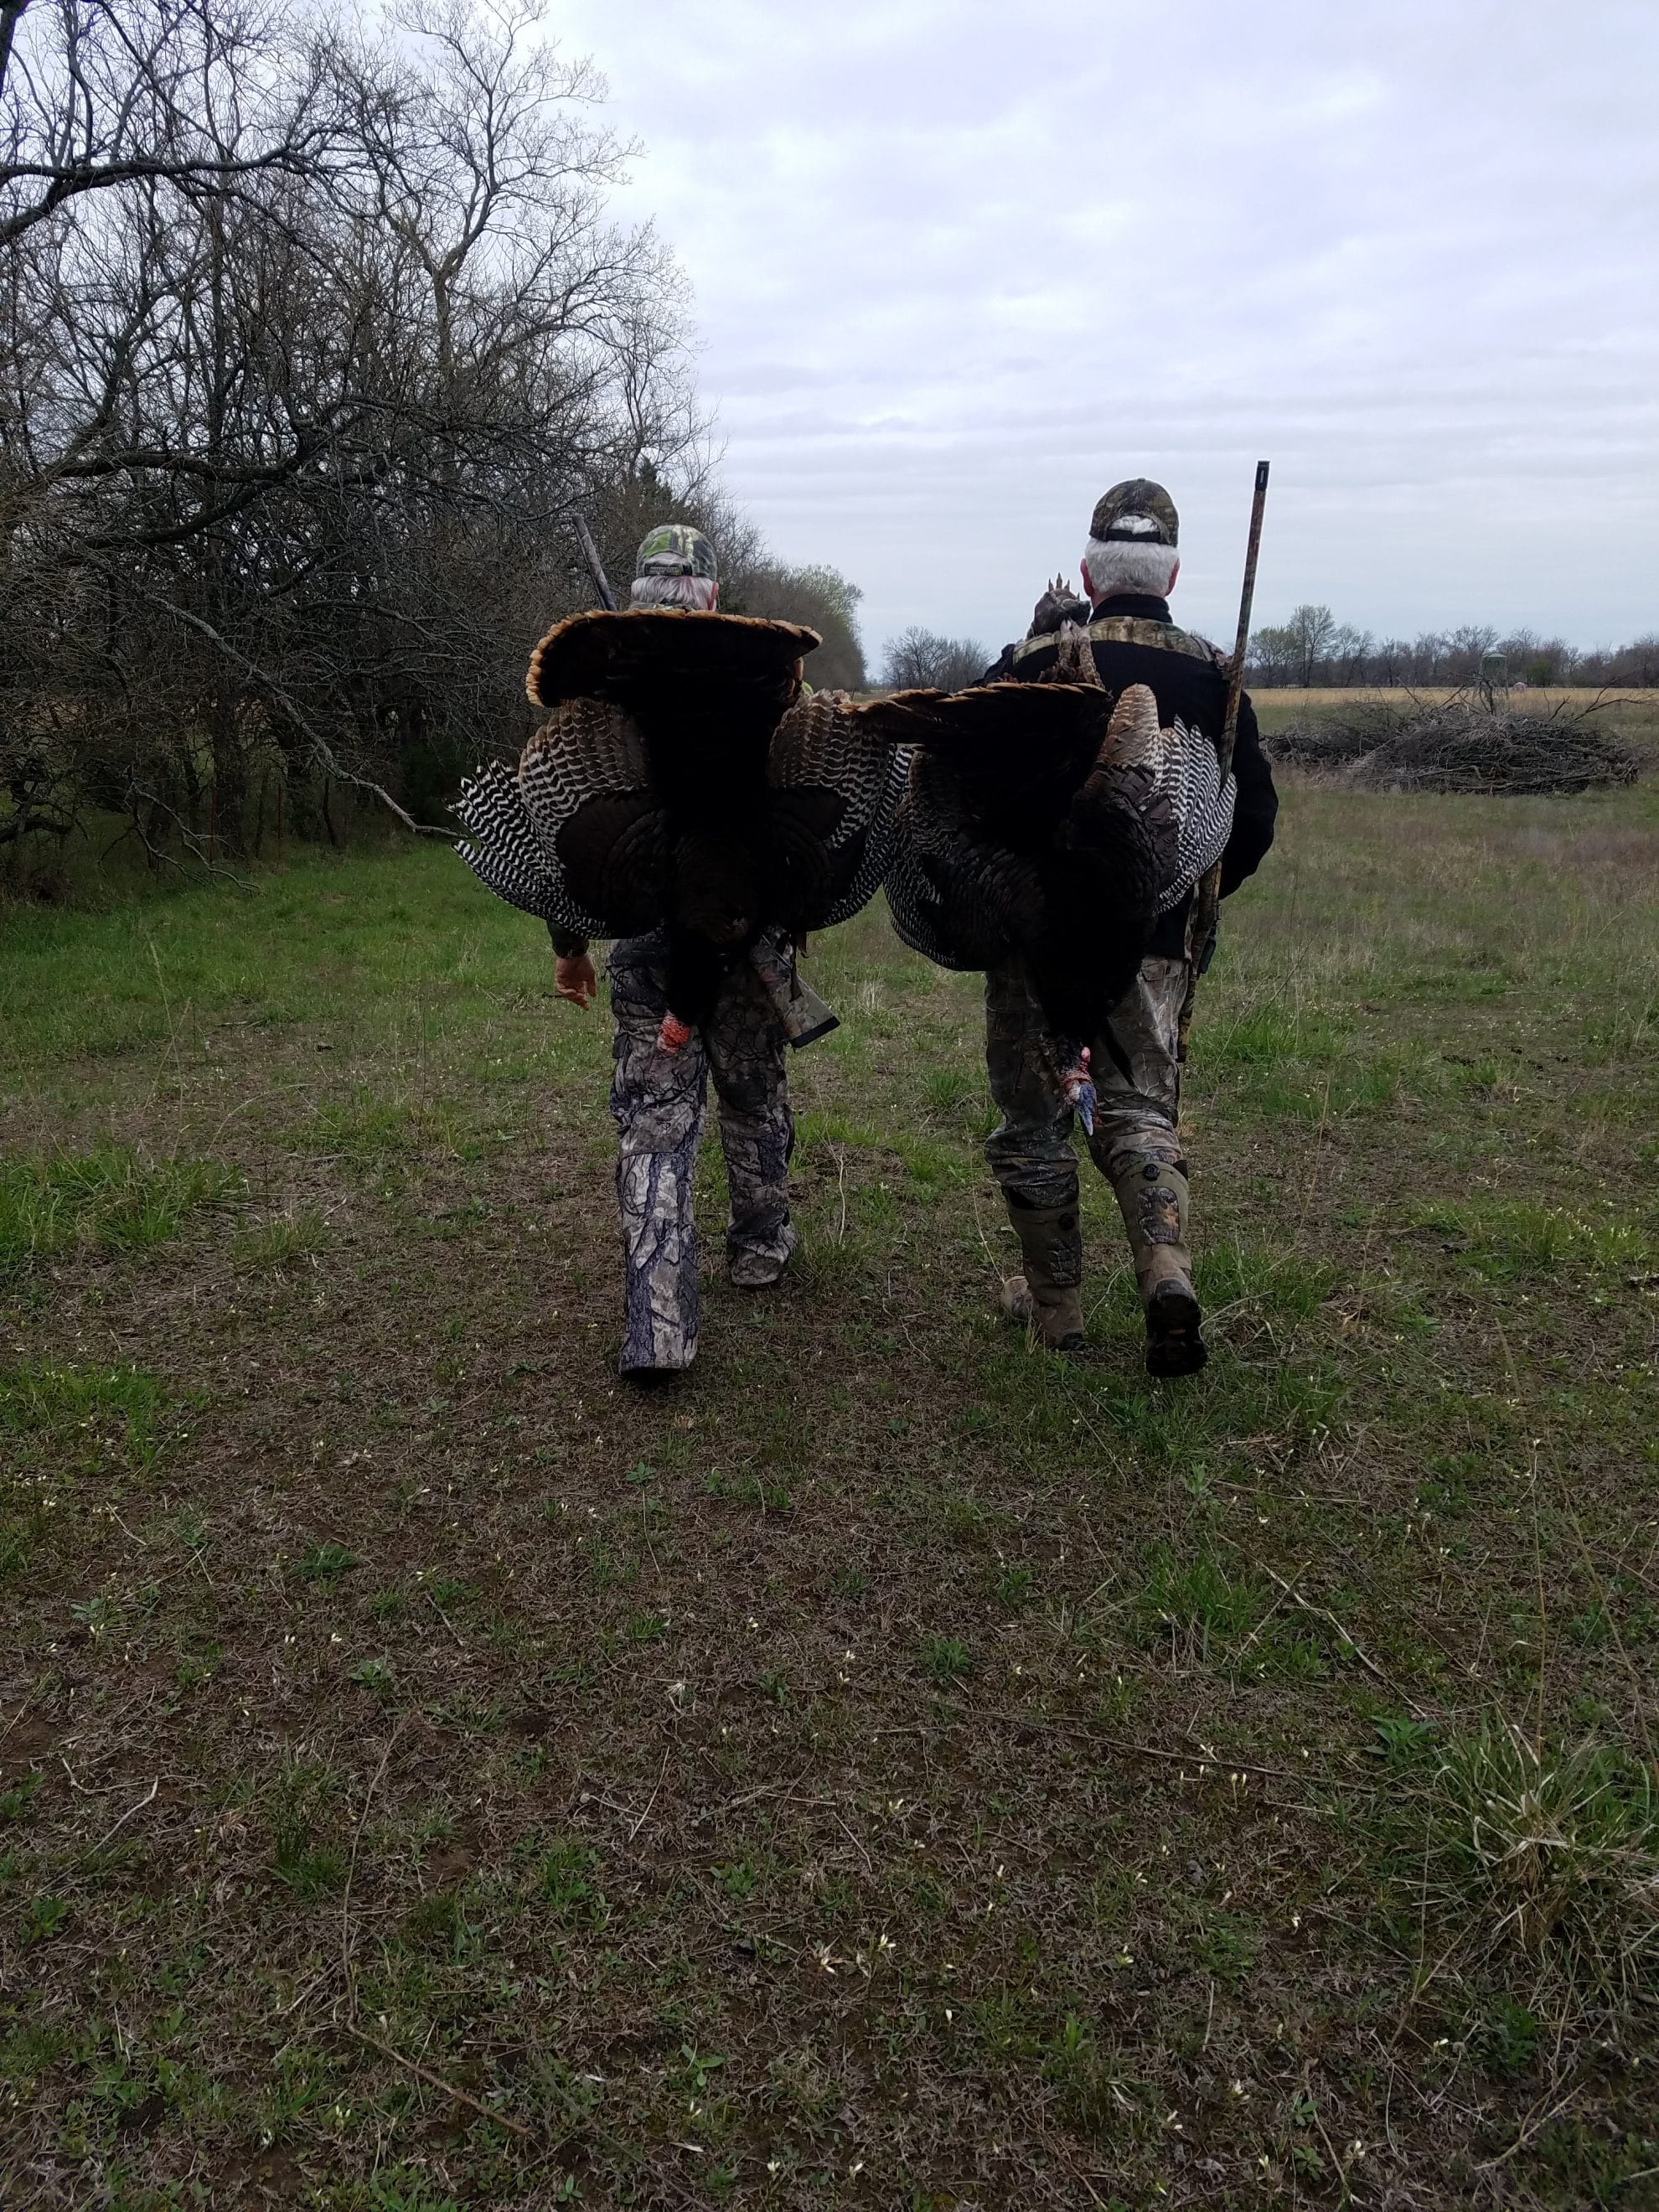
(955, 272)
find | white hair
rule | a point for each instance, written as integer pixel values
(1125, 566)
(696, 592)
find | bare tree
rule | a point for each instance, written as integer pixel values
(1635, 664)
(1348, 653)
(1305, 651)
(1465, 647)
(922, 658)
(108, 95)
(294, 408)
(1312, 629)
(1272, 659)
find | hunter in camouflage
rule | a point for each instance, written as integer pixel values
(1129, 569)
(658, 1096)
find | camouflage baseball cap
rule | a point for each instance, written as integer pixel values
(1136, 512)
(675, 549)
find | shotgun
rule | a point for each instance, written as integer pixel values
(1206, 899)
(802, 1015)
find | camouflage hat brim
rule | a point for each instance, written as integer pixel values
(1135, 513)
(675, 549)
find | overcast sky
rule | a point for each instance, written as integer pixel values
(956, 273)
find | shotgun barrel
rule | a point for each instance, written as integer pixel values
(595, 566)
(1206, 898)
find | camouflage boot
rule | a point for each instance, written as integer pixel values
(1153, 1197)
(1046, 1296)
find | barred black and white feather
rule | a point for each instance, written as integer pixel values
(507, 854)
(880, 846)
(1184, 761)
(834, 797)
(1190, 771)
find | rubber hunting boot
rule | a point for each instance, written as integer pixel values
(1046, 1297)
(1153, 1197)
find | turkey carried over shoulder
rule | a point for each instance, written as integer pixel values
(685, 782)
(1054, 823)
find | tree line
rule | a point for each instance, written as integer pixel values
(1313, 648)
(316, 332)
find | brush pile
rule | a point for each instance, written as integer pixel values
(1456, 746)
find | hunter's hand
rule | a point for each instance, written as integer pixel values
(575, 978)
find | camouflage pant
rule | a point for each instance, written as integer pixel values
(657, 1100)
(1137, 1072)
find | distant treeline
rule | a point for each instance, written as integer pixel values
(1313, 648)
(315, 332)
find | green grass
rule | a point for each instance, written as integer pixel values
(107, 1200)
(894, 1767)
(288, 1237)
(1509, 1239)
(1557, 1845)
(88, 1410)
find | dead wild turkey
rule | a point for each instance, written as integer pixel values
(1051, 821)
(683, 782)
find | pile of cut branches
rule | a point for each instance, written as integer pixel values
(1459, 745)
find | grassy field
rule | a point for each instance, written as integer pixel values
(895, 1768)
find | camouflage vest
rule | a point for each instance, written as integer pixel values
(1131, 630)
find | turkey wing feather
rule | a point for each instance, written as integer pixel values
(1203, 809)
(586, 786)
(508, 856)
(586, 748)
(835, 771)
